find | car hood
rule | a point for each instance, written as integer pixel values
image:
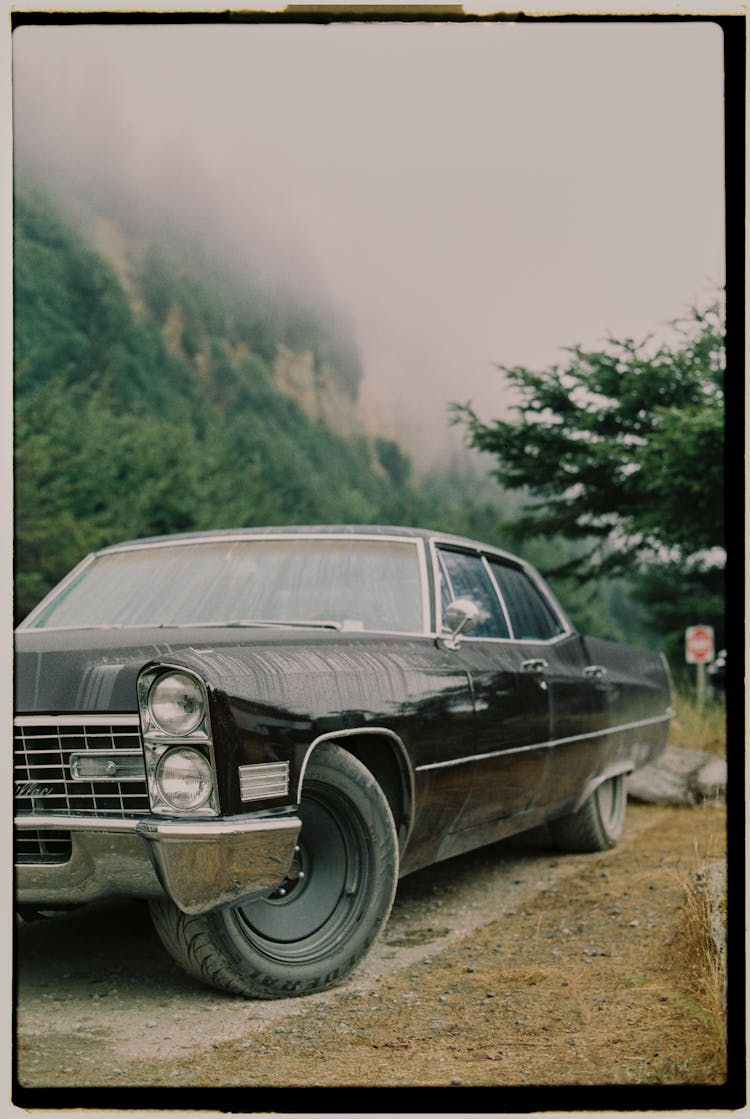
(95, 670)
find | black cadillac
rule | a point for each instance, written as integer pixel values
(258, 731)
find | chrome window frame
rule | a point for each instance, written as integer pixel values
(436, 543)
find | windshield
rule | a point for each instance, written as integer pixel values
(351, 583)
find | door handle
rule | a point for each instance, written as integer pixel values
(537, 665)
(596, 672)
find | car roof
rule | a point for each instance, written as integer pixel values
(313, 530)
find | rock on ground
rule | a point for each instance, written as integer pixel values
(680, 776)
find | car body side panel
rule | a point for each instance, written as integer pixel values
(579, 713)
(512, 729)
(639, 684)
(626, 692)
(639, 696)
(273, 703)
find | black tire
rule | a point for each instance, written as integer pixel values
(308, 934)
(30, 916)
(599, 822)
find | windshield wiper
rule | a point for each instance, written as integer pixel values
(251, 623)
(276, 624)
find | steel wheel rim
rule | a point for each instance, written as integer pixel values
(610, 802)
(318, 911)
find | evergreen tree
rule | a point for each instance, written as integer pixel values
(622, 446)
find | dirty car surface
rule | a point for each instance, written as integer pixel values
(258, 731)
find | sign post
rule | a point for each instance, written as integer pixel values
(699, 650)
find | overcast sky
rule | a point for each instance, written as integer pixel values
(466, 194)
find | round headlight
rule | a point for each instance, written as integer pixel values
(183, 778)
(175, 703)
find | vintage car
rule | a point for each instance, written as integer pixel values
(258, 731)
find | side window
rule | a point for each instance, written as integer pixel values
(530, 614)
(469, 579)
(445, 587)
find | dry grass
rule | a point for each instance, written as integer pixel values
(699, 728)
(699, 952)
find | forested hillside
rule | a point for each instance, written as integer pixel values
(157, 411)
(148, 399)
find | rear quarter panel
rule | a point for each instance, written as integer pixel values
(639, 698)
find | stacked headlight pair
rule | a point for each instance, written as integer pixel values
(176, 736)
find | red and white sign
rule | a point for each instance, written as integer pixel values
(699, 644)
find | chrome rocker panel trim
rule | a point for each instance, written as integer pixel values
(201, 865)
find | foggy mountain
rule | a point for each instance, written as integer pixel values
(451, 196)
(308, 343)
(178, 210)
(164, 239)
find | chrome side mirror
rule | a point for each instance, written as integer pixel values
(461, 617)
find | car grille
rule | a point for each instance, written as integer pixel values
(42, 847)
(45, 783)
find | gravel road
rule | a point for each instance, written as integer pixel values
(95, 972)
(99, 1003)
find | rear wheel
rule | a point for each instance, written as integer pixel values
(599, 822)
(308, 933)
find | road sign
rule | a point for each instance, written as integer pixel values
(699, 644)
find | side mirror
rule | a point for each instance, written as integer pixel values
(461, 617)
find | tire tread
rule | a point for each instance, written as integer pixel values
(187, 941)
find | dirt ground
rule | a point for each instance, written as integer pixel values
(510, 966)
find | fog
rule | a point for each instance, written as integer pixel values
(465, 195)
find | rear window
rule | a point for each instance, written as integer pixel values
(531, 616)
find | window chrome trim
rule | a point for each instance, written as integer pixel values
(424, 588)
(250, 534)
(440, 572)
(653, 721)
(547, 641)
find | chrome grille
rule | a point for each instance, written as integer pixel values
(43, 781)
(42, 847)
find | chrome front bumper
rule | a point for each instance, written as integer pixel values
(200, 864)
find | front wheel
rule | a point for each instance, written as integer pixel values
(599, 822)
(313, 929)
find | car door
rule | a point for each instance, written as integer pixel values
(511, 699)
(577, 688)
